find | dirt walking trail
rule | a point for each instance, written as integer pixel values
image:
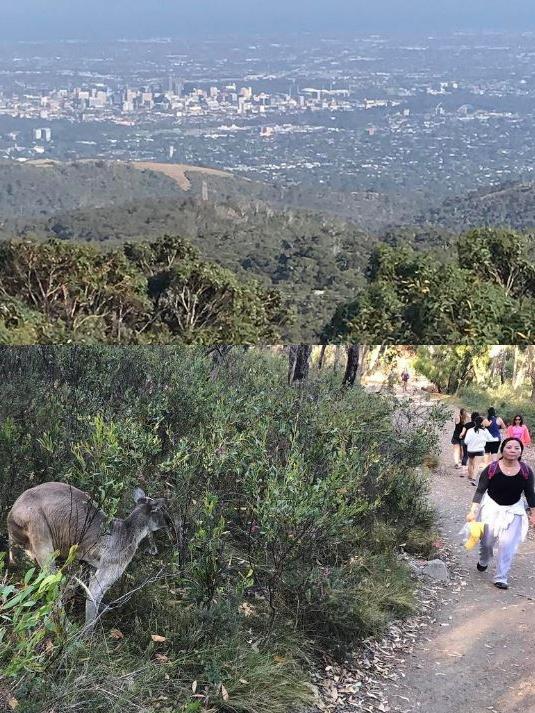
(479, 655)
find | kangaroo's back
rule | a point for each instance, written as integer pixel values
(53, 517)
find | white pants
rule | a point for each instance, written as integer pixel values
(508, 541)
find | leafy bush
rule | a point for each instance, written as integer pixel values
(33, 625)
(291, 505)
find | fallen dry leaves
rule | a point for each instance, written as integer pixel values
(359, 683)
(157, 638)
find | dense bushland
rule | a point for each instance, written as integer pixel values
(291, 505)
(485, 295)
(143, 293)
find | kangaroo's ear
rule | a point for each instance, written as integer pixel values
(139, 496)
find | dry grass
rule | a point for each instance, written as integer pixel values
(177, 171)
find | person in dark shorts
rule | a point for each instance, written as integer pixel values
(460, 419)
(494, 424)
(469, 424)
(475, 440)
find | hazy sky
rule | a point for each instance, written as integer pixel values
(52, 19)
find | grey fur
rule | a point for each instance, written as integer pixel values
(52, 517)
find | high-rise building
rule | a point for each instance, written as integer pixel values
(42, 134)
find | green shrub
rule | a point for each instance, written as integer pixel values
(291, 507)
(33, 625)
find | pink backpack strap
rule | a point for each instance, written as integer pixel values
(524, 469)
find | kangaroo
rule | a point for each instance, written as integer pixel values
(52, 517)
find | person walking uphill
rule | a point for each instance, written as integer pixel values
(498, 504)
(460, 421)
(518, 429)
(475, 440)
(494, 425)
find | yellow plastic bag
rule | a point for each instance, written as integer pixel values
(474, 532)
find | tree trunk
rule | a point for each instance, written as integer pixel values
(219, 354)
(351, 365)
(299, 362)
(322, 356)
(292, 359)
(337, 355)
(516, 367)
(531, 369)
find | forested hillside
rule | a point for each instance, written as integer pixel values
(46, 188)
(31, 190)
(316, 261)
(316, 257)
(511, 205)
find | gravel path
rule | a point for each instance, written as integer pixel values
(479, 655)
(469, 648)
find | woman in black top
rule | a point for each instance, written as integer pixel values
(460, 420)
(498, 499)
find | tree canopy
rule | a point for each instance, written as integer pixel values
(486, 295)
(140, 293)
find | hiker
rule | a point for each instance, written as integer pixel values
(460, 420)
(494, 424)
(519, 430)
(498, 504)
(469, 424)
(475, 439)
(405, 376)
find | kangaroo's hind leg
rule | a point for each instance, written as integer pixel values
(41, 547)
(16, 538)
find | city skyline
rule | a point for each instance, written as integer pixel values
(440, 115)
(32, 20)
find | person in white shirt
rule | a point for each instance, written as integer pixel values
(475, 440)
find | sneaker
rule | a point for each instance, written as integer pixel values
(481, 567)
(457, 466)
(501, 585)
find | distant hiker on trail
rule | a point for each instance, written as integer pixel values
(405, 376)
(460, 420)
(475, 439)
(494, 424)
(498, 504)
(519, 430)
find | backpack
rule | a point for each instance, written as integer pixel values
(493, 467)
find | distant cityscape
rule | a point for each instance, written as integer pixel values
(436, 114)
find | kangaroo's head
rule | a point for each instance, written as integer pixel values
(152, 510)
